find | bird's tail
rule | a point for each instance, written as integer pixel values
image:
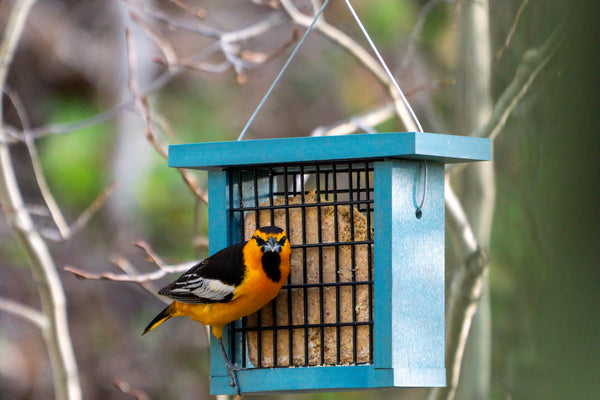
(160, 318)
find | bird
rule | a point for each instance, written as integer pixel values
(232, 283)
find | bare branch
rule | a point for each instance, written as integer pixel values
(173, 23)
(141, 102)
(513, 28)
(126, 388)
(466, 290)
(368, 120)
(12, 135)
(136, 277)
(52, 296)
(358, 52)
(196, 11)
(38, 171)
(533, 62)
(160, 41)
(416, 32)
(29, 313)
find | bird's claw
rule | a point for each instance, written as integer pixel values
(231, 368)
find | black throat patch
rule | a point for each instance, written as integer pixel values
(270, 262)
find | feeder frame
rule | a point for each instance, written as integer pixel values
(408, 256)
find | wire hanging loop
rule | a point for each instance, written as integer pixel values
(419, 210)
(285, 66)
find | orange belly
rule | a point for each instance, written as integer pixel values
(257, 291)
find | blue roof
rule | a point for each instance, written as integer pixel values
(404, 145)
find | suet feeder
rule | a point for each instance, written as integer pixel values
(364, 304)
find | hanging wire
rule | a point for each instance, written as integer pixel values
(419, 211)
(384, 65)
(287, 63)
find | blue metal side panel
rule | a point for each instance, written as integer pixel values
(435, 147)
(218, 194)
(255, 381)
(417, 275)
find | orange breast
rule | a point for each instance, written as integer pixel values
(255, 291)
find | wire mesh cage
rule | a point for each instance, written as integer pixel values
(324, 314)
(363, 306)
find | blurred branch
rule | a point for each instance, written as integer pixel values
(174, 23)
(225, 42)
(83, 218)
(38, 171)
(357, 51)
(513, 28)
(196, 11)
(416, 32)
(141, 102)
(132, 275)
(466, 289)
(135, 277)
(126, 388)
(52, 296)
(159, 40)
(64, 230)
(370, 119)
(534, 60)
(29, 313)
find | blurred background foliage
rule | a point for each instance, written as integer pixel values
(545, 280)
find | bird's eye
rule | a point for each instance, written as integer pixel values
(259, 241)
(282, 241)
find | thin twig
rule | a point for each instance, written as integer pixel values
(130, 270)
(534, 61)
(143, 107)
(12, 135)
(513, 28)
(160, 41)
(135, 277)
(29, 313)
(531, 65)
(371, 119)
(49, 286)
(126, 388)
(174, 23)
(347, 43)
(38, 171)
(196, 11)
(416, 32)
(65, 231)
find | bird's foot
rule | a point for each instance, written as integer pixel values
(232, 368)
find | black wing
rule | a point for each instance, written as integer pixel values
(212, 280)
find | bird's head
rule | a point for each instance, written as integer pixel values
(271, 239)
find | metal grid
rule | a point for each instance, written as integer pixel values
(324, 314)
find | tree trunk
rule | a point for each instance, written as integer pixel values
(478, 183)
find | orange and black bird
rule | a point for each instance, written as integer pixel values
(232, 283)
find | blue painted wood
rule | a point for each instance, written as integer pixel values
(417, 268)
(219, 234)
(410, 145)
(307, 379)
(408, 252)
(382, 259)
(409, 273)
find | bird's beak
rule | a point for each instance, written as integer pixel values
(271, 246)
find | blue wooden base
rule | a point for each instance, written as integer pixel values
(339, 378)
